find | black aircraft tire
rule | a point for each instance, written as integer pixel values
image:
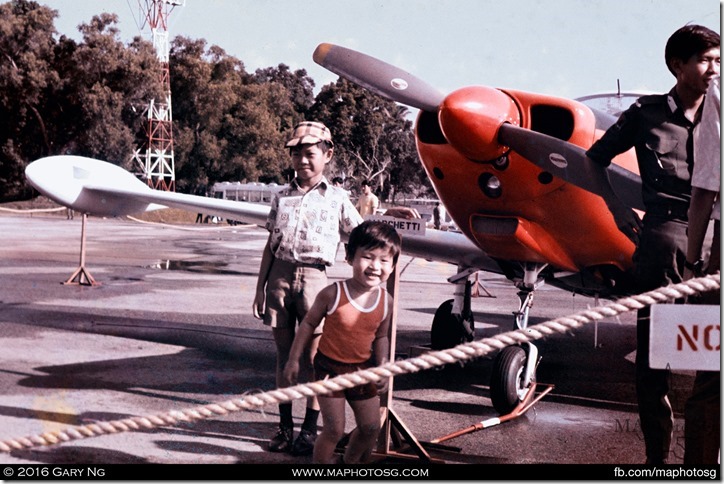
(505, 379)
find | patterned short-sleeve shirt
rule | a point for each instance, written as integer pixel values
(305, 227)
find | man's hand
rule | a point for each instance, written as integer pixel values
(627, 221)
(402, 212)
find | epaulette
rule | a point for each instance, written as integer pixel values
(651, 99)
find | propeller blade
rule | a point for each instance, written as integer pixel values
(569, 162)
(378, 76)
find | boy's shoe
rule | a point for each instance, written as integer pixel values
(304, 443)
(282, 440)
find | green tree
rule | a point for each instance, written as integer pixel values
(229, 126)
(27, 79)
(299, 85)
(203, 87)
(90, 98)
(63, 97)
(112, 83)
(256, 131)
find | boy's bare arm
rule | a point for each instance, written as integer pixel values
(381, 351)
(264, 268)
(381, 343)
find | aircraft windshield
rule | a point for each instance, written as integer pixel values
(611, 103)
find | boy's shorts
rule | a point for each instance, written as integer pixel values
(290, 292)
(327, 367)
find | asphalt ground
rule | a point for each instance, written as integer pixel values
(169, 327)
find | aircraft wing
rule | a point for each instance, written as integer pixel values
(99, 188)
(451, 247)
(241, 211)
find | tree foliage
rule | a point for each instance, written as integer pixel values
(89, 98)
(27, 81)
(373, 137)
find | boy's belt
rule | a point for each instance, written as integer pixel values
(319, 267)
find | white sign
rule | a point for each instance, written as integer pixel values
(414, 226)
(685, 337)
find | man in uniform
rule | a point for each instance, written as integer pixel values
(661, 129)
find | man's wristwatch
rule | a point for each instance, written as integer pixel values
(695, 267)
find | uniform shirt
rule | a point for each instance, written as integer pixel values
(663, 138)
(305, 227)
(707, 146)
(349, 329)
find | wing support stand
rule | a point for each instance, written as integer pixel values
(81, 276)
(479, 288)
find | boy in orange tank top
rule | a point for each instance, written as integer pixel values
(356, 314)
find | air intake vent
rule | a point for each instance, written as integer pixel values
(494, 225)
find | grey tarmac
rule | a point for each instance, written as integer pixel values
(169, 327)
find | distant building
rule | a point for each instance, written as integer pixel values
(246, 192)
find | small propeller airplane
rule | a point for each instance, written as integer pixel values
(511, 170)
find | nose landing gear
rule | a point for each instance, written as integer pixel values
(514, 368)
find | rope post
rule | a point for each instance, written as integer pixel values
(392, 426)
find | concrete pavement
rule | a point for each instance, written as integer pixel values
(169, 327)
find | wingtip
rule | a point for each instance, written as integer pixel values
(321, 52)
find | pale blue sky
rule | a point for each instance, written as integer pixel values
(568, 48)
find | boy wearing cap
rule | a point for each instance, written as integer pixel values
(304, 226)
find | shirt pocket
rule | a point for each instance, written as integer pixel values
(664, 150)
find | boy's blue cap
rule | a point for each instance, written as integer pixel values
(309, 133)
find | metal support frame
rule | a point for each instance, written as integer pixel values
(394, 432)
(156, 158)
(81, 276)
(526, 404)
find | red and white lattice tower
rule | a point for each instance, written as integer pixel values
(156, 157)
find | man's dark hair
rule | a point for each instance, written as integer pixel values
(689, 41)
(373, 234)
(366, 183)
(337, 179)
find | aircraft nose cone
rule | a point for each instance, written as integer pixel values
(470, 118)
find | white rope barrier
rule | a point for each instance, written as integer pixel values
(463, 352)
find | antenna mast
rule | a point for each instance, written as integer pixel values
(156, 157)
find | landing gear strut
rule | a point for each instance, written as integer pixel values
(514, 367)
